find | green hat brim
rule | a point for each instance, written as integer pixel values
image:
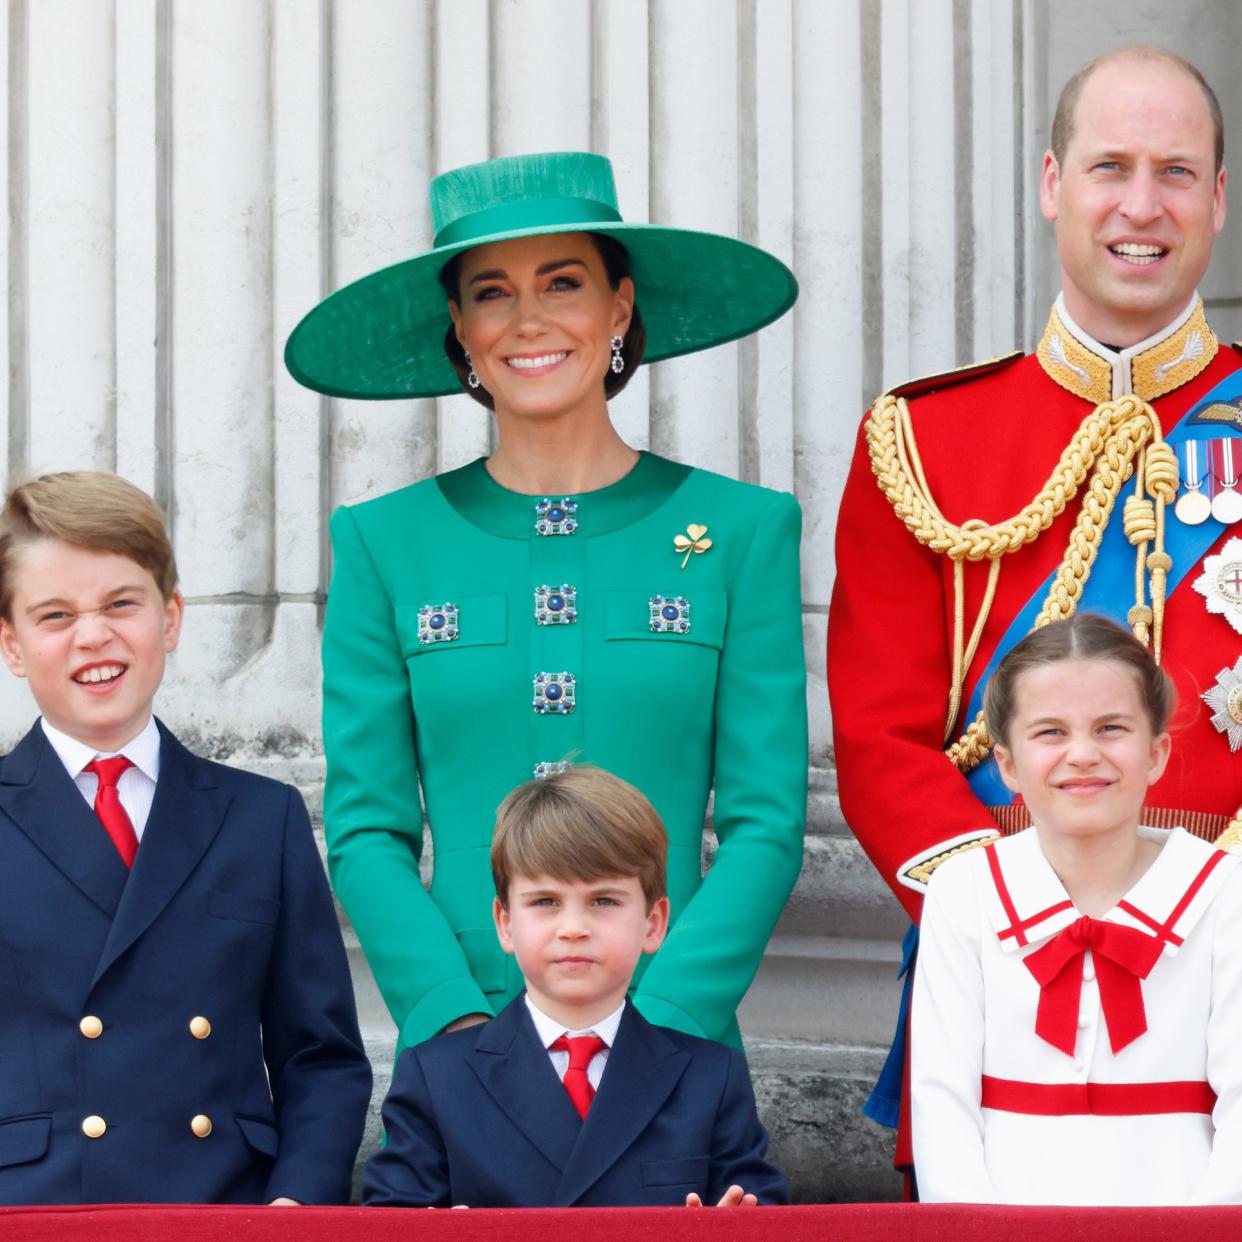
(382, 337)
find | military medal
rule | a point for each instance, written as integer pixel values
(1193, 508)
(1220, 583)
(1225, 700)
(1226, 456)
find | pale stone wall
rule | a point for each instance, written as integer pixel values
(184, 179)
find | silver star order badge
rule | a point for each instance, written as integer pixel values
(1220, 583)
(1225, 700)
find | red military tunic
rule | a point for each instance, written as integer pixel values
(988, 440)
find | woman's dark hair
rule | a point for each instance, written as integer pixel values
(616, 262)
(1084, 636)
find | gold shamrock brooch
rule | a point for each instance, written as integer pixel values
(691, 542)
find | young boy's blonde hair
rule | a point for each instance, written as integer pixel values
(89, 509)
(580, 824)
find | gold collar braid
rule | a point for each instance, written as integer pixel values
(1116, 439)
(1150, 369)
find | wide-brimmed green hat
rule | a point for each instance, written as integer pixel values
(383, 336)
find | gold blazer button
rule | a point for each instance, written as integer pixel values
(200, 1126)
(200, 1028)
(94, 1127)
(91, 1026)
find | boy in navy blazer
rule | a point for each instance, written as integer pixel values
(568, 1096)
(177, 1022)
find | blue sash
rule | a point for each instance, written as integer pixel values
(1110, 588)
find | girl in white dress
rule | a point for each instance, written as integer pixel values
(1077, 1012)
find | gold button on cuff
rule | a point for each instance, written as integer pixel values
(94, 1127)
(91, 1026)
(200, 1028)
(200, 1126)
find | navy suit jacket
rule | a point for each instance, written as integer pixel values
(480, 1117)
(226, 916)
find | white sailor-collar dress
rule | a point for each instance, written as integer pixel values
(1130, 1090)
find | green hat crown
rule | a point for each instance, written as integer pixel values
(383, 335)
(551, 191)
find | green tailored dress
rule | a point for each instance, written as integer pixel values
(474, 633)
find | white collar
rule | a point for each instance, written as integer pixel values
(550, 1030)
(1044, 908)
(143, 751)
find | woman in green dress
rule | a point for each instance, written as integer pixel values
(566, 598)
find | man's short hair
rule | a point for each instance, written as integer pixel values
(89, 509)
(1067, 104)
(581, 824)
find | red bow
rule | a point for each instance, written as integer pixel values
(1123, 956)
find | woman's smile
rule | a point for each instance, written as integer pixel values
(537, 364)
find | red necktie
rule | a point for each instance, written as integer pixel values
(108, 806)
(581, 1049)
(1123, 956)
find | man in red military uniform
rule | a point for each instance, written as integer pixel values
(993, 499)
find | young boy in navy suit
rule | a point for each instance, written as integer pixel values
(177, 1022)
(568, 1096)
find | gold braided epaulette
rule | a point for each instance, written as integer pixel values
(958, 375)
(1117, 441)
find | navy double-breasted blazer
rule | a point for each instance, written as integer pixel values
(480, 1117)
(226, 925)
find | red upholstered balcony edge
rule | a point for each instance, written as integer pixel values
(882, 1222)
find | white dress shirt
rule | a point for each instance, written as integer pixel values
(136, 788)
(974, 1012)
(549, 1031)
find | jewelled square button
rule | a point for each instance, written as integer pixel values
(556, 605)
(554, 693)
(669, 614)
(437, 623)
(556, 517)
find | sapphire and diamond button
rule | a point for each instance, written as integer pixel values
(554, 693)
(544, 770)
(556, 517)
(556, 605)
(670, 614)
(437, 623)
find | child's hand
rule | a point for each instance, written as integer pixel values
(735, 1196)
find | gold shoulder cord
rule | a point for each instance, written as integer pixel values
(1116, 440)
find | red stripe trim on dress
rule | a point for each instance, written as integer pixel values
(1002, 891)
(1164, 931)
(1096, 1099)
(1017, 927)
